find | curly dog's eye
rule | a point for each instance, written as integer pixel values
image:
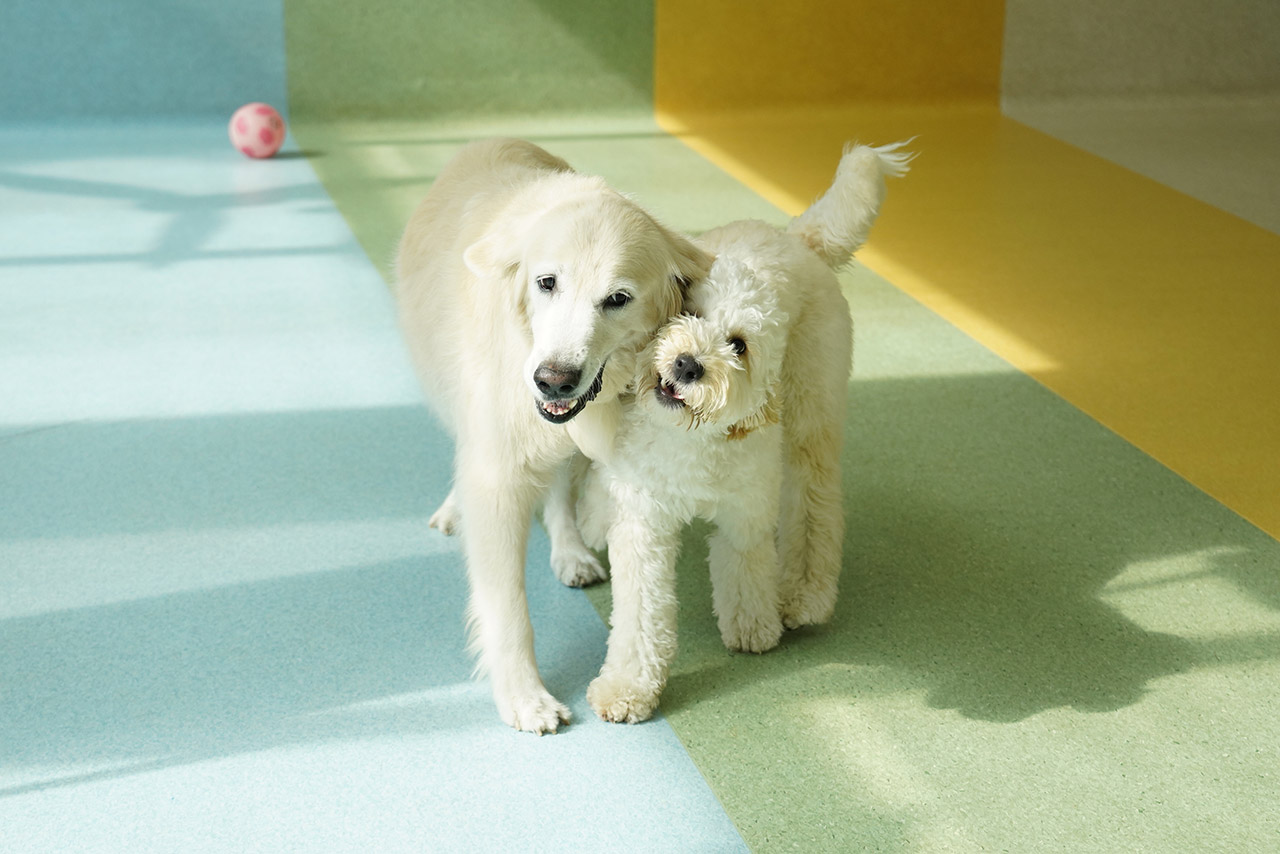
(739, 346)
(546, 284)
(617, 300)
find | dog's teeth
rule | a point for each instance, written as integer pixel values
(558, 407)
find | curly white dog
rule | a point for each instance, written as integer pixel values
(738, 419)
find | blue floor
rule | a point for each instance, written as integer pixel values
(224, 624)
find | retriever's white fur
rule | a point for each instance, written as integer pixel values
(739, 419)
(480, 320)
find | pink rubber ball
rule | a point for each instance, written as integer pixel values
(257, 130)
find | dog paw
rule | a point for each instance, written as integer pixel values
(577, 568)
(745, 633)
(537, 713)
(620, 701)
(807, 608)
(447, 517)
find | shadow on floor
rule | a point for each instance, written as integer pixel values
(233, 669)
(981, 539)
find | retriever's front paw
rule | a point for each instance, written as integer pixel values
(751, 633)
(536, 712)
(447, 517)
(620, 700)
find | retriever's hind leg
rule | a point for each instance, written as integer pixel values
(571, 560)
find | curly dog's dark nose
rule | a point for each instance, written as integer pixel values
(556, 383)
(687, 368)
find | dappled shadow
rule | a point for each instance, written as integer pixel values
(193, 218)
(231, 669)
(223, 585)
(242, 662)
(215, 472)
(985, 520)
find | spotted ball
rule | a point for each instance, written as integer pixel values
(257, 130)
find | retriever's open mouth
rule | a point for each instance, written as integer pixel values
(669, 395)
(561, 411)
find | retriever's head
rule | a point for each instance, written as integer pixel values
(593, 275)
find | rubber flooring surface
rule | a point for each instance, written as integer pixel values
(1034, 611)
(225, 625)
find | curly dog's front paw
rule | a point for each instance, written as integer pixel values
(621, 700)
(808, 607)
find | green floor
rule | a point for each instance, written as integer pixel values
(1046, 640)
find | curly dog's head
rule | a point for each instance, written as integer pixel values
(720, 362)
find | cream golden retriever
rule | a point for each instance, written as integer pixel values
(526, 291)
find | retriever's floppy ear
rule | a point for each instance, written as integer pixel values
(689, 264)
(496, 257)
(499, 251)
(492, 256)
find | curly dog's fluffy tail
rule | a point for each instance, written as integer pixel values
(836, 225)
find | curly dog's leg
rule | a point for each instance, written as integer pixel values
(642, 643)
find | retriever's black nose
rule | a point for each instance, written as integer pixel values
(687, 368)
(556, 383)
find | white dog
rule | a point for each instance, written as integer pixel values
(525, 291)
(738, 419)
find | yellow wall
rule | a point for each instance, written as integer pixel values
(725, 55)
(1150, 311)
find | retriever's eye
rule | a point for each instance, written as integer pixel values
(546, 284)
(739, 346)
(617, 300)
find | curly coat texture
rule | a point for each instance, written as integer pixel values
(738, 418)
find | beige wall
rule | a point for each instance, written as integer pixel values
(1056, 49)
